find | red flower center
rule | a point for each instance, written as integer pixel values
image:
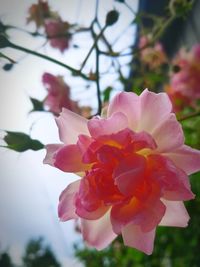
(128, 177)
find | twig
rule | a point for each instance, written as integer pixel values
(26, 50)
(92, 47)
(189, 116)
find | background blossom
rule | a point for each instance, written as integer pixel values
(186, 81)
(58, 94)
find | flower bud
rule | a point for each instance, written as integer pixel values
(112, 17)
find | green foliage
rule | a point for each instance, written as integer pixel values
(37, 105)
(191, 129)
(38, 255)
(4, 42)
(106, 94)
(5, 260)
(21, 142)
(181, 7)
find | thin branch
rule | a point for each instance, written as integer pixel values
(97, 81)
(92, 47)
(189, 116)
(26, 50)
(97, 57)
(130, 8)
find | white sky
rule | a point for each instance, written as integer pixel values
(29, 190)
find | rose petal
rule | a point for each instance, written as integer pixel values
(123, 214)
(144, 112)
(70, 126)
(83, 142)
(173, 181)
(175, 214)
(129, 173)
(186, 158)
(147, 214)
(129, 104)
(154, 108)
(51, 151)
(169, 129)
(134, 237)
(118, 121)
(69, 159)
(98, 233)
(90, 215)
(150, 216)
(66, 207)
(88, 205)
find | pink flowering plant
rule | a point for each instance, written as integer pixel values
(134, 151)
(134, 167)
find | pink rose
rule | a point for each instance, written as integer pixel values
(38, 13)
(58, 33)
(135, 170)
(58, 94)
(187, 79)
(153, 55)
(179, 101)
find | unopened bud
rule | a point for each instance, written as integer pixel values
(112, 17)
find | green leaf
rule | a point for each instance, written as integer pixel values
(21, 142)
(106, 94)
(37, 104)
(4, 42)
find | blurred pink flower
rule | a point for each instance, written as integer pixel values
(152, 55)
(39, 12)
(187, 80)
(135, 170)
(58, 94)
(179, 101)
(58, 33)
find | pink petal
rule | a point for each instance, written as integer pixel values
(144, 112)
(98, 233)
(70, 126)
(134, 237)
(175, 215)
(69, 159)
(118, 121)
(146, 214)
(123, 214)
(154, 108)
(84, 142)
(169, 134)
(186, 158)
(66, 207)
(90, 215)
(173, 181)
(151, 216)
(129, 173)
(88, 205)
(129, 104)
(51, 151)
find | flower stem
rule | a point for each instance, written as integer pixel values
(92, 47)
(26, 50)
(189, 116)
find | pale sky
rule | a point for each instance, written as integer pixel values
(29, 190)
